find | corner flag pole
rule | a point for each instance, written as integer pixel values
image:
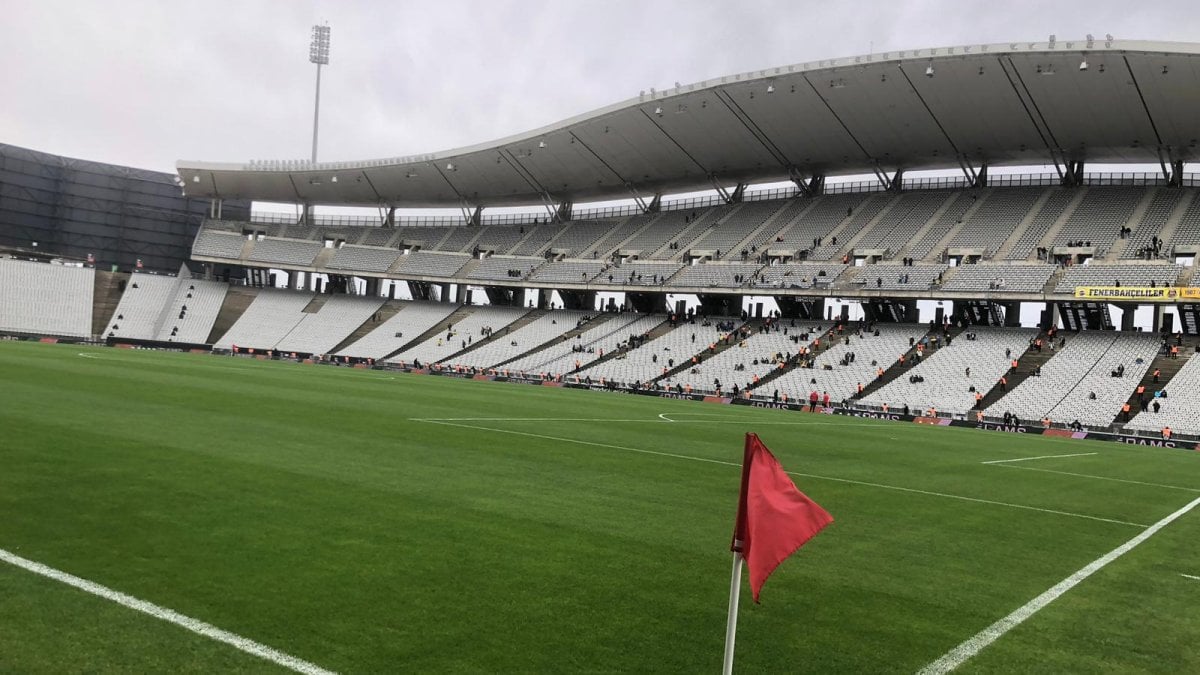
(735, 591)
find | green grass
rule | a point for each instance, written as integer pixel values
(303, 507)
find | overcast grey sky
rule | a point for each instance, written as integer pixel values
(145, 83)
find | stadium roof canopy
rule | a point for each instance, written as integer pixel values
(1016, 104)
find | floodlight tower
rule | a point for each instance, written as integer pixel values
(318, 53)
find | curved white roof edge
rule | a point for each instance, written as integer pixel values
(932, 54)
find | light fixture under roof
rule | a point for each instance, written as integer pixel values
(658, 111)
(541, 144)
(929, 70)
(770, 89)
(450, 166)
(1083, 65)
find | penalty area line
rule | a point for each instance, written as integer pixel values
(973, 645)
(169, 615)
(835, 479)
(1189, 576)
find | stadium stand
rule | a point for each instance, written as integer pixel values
(579, 236)
(504, 268)
(46, 299)
(499, 239)
(570, 271)
(1127, 274)
(538, 239)
(285, 251)
(413, 320)
(363, 259)
(215, 244)
(712, 275)
(1002, 210)
(190, 315)
(657, 356)
(1083, 367)
(593, 343)
(270, 317)
(944, 382)
(429, 264)
(899, 278)
(832, 372)
(1051, 210)
(639, 273)
(797, 275)
(1188, 231)
(756, 354)
(859, 217)
(534, 334)
(908, 214)
(320, 332)
(730, 230)
(140, 311)
(1016, 278)
(1099, 217)
(1162, 203)
(1178, 408)
(461, 335)
(953, 214)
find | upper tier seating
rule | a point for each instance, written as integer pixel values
(429, 264)
(46, 299)
(285, 251)
(504, 268)
(997, 217)
(710, 275)
(859, 217)
(579, 236)
(500, 239)
(361, 259)
(609, 242)
(1188, 231)
(638, 273)
(818, 217)
(1050, 211)
(951, 217)
(670, 227)
(798, 275)
(413, 320)
(900, 224)
(570, 271)
(538, 239)
(1010, 278)
(1100, 216)
(735, 226)
(899, 278)
(1097, 274)
(1151, 223)
(216, 244)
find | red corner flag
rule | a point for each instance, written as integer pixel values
(774, 519)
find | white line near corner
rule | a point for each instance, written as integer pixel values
(972, 646)
(1189, 576)
(169, 615)
(835, 479)
(1030, 459)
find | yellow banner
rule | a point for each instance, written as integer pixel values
(1137, 293)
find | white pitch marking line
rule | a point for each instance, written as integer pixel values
(972, 646)
(1189, 576)
(170, 616)
(435, 420)
(1030, 459)
(87, 356)
(794, 473)
(663, 417)
(1110, 478)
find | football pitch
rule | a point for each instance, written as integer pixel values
(369, 521)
